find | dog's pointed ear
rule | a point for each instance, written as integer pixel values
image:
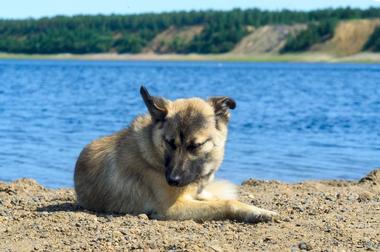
(222, 106)
(156, 105)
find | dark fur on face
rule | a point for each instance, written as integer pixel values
(184, 156)
(192, 135)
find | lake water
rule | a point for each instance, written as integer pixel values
(292, 122)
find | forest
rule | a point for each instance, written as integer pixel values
(131, 33)
(373, 43)
(315, 33)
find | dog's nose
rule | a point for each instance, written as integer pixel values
(174, 181)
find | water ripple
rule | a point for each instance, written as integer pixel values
(292, 122)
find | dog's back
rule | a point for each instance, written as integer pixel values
(108, 175)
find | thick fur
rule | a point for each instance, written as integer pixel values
(220, 190)
(163, 165)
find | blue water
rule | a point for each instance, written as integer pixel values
(292, 122)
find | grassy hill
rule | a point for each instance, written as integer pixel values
(253, 31)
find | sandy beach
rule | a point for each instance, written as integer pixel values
(315, 216)
(231, 57)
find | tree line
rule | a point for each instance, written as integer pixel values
(315, 33)
(131, 33)
(373, 43)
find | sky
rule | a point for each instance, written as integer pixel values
(42, 8)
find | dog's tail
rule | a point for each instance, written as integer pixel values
(219, 189)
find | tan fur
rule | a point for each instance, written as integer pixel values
(127, 172)
(219, 189)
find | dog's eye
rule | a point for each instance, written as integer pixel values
(194, 146)
(171, 143)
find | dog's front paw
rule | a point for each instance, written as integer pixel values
(261, 215)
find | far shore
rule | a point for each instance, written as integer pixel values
(230, 57)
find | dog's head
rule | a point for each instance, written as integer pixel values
(189, 134)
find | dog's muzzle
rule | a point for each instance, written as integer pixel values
(174, 180)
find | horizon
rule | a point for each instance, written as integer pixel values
(45, 9)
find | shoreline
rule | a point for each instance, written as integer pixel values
(326, 215)
(228, 57)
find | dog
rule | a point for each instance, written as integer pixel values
(163, 165)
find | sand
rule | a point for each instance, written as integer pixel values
(365, 57)
(267, 39)
(315, 215)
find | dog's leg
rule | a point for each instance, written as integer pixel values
(217, 190)
(215, 210)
